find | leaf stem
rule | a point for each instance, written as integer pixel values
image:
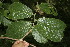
(19, 39)
(32, 45)
(16, 40)
(34, 17)
(7, 38)
(27, 33)
(48, 1)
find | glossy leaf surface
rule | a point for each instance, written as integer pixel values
(48, 9)
(49, 28)
(18, 29)
(18, 11)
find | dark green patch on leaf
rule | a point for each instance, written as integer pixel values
(0, 19)
(1, 15)
(1, 4)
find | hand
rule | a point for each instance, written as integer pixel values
(20, 44)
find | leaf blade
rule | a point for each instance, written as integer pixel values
(18, 29)
(50, 28)
(18, 11)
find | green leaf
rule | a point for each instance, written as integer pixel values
(6, 22)
(48, 9)
(49, 28)
(1, 4)
(6, 5)
(3, 20)
(18, 29)
(0, 18)
(0, 21)
(18, 11)
(38, 35)
(1, 15)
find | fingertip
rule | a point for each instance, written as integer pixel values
(20, 40)
(17, 42)
(26, 43)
